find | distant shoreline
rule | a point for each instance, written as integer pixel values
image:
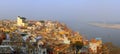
(105, 25)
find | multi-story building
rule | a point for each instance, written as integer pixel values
(21, 21)
(6, 49)
(94, 45)
(76, 39)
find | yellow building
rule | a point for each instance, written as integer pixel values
(76, 38)
(21, 21)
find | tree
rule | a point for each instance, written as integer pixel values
(42, 21)
(77, 46)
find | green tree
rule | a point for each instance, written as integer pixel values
(77, 46)
(42, 21)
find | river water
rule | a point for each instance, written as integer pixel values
(88, 31)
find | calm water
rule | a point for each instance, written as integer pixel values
(89, 31)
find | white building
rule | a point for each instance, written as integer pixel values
(6, 49)
(66, 41)
(21, 21)
(94, 45)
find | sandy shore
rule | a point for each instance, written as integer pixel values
(104, 25)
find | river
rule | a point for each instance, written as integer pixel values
(89, 31)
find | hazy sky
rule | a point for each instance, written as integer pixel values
(81, 10)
